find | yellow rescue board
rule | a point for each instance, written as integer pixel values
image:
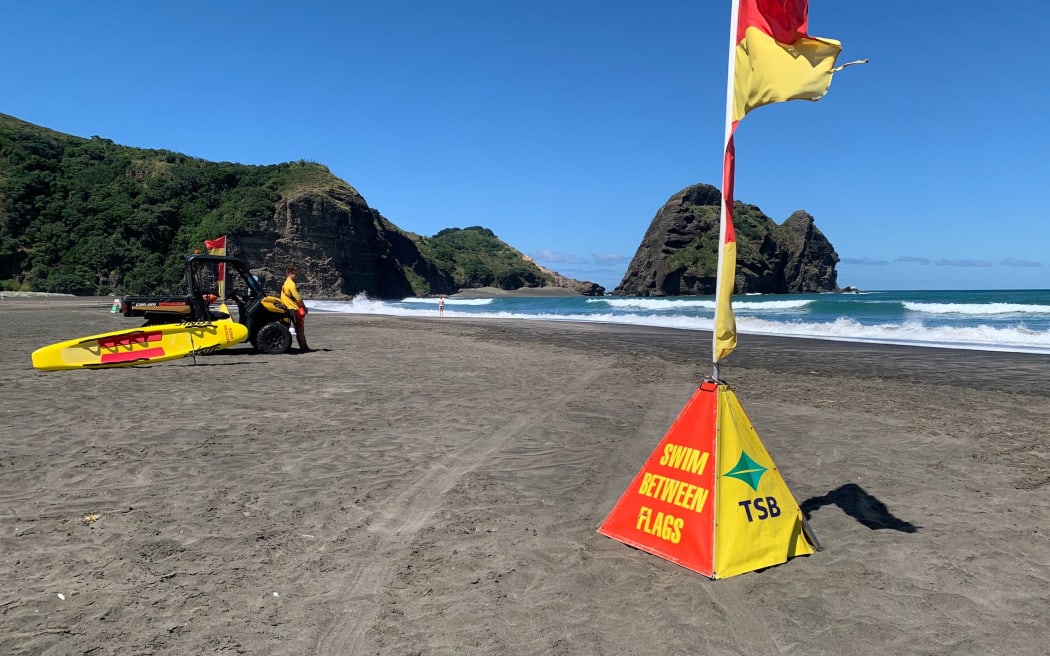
(144, 345)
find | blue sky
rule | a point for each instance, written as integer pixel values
(564, 125)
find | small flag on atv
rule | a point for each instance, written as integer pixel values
(218, 247)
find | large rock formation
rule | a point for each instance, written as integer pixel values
(678, 255)
(343, 247)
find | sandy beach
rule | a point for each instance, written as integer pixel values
(426, 487)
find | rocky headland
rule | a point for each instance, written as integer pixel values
(679, 253)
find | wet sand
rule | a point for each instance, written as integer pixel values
(433, 486)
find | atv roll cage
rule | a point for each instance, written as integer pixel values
(210, 278)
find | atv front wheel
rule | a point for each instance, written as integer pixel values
(273, 338)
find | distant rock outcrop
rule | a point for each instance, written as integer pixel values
(582, 287)
(678, 255)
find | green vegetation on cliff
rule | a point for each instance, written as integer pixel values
(87, 216)
(475, 257)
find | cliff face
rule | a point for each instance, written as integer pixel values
(343, 247)
(679, 253)
(340, 245)
(811, 259)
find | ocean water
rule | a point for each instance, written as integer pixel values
(998, 320)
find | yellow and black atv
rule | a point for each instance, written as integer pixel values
(211, 279)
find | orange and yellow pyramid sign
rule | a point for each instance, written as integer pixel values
(709, 497)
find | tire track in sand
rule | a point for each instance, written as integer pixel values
(404, 516)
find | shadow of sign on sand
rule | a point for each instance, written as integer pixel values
(856, 502)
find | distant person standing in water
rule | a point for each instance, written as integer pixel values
(441, 306)
(291, 299)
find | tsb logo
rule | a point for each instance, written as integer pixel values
(763, 508)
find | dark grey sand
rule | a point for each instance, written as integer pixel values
(434, 486)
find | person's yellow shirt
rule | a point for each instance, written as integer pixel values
(290, 297)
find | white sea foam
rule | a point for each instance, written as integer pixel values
(976, 309)
(911, 333)
(449, 301)
(670, 305)
(771, 306)
(362, 304)
(981, 337)
(654, 304)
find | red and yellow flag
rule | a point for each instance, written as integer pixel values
(774, 60)
(218, 247)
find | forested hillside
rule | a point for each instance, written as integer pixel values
(88, 216)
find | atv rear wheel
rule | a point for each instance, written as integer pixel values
(273, 338)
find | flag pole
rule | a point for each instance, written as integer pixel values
(727, 173)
